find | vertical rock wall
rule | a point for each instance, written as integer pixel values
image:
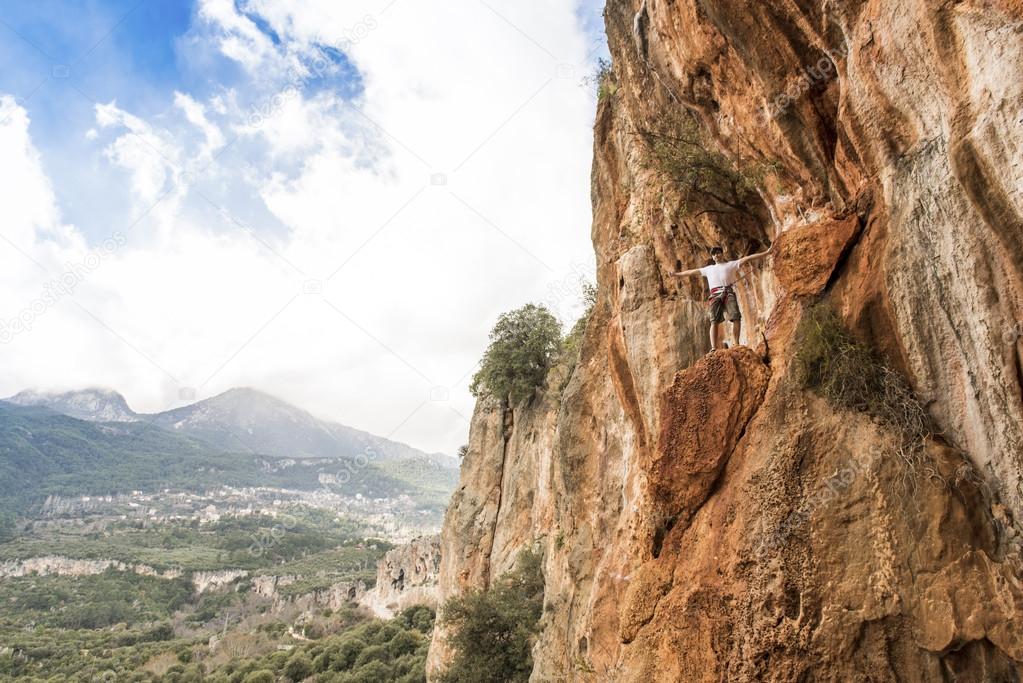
(706, 518)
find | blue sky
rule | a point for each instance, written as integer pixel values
(69, 55)
(330, 201)
(111, 50)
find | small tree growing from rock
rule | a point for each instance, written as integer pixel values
(524, 344)
(708, 181)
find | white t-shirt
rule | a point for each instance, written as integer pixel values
(721, 274)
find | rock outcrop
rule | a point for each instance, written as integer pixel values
(710, 519)
(406, 576)
(698, 435)
(58, 565)
(334, 596)
(213, 580)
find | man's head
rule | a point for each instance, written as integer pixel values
(718, 254)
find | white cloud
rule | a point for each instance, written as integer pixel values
(150, 158)
(196, 115)
(290, 123)
(327, 193)
(25, 191)
(241, 39)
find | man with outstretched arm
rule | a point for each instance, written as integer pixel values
(721, 277)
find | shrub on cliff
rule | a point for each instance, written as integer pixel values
(492, 631)
(574, 338)
(850, 375)
(523, 346)
(571, 345)
(602, 79)
(708, 181)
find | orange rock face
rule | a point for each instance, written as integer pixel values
(806, 256)
(706, 518)
(703, 415)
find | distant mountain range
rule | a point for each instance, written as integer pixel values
(92, 442)
(243, 419)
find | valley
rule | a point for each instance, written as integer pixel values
(141, 547)
(101, 596)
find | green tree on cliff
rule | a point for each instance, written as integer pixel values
(492, 631)
(524, 344)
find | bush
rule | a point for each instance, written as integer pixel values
(262, 676)
(492, 631)
(314, 631)
(523, 346)
(347, 652)
(602, 79)
(402, 643)
(850, 375)
(571, 345)
(322, 661)
(298, 667)
(419, 617)
(415, 676)
(386, 632)
(372, 653)
(373, 672)
(708, 181)
(573, 340)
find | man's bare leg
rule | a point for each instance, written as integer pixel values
(736, 330)
(715, 336)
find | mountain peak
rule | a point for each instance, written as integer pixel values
(251, 419)
(95, 404)
(247, 393)
(241, 402)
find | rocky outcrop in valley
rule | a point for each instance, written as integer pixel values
(406, 576)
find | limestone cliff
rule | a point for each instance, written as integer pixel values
(406, 576)
(704, 517)
(59, 565)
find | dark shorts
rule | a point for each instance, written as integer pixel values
(724, 306)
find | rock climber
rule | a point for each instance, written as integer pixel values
(722, 303)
